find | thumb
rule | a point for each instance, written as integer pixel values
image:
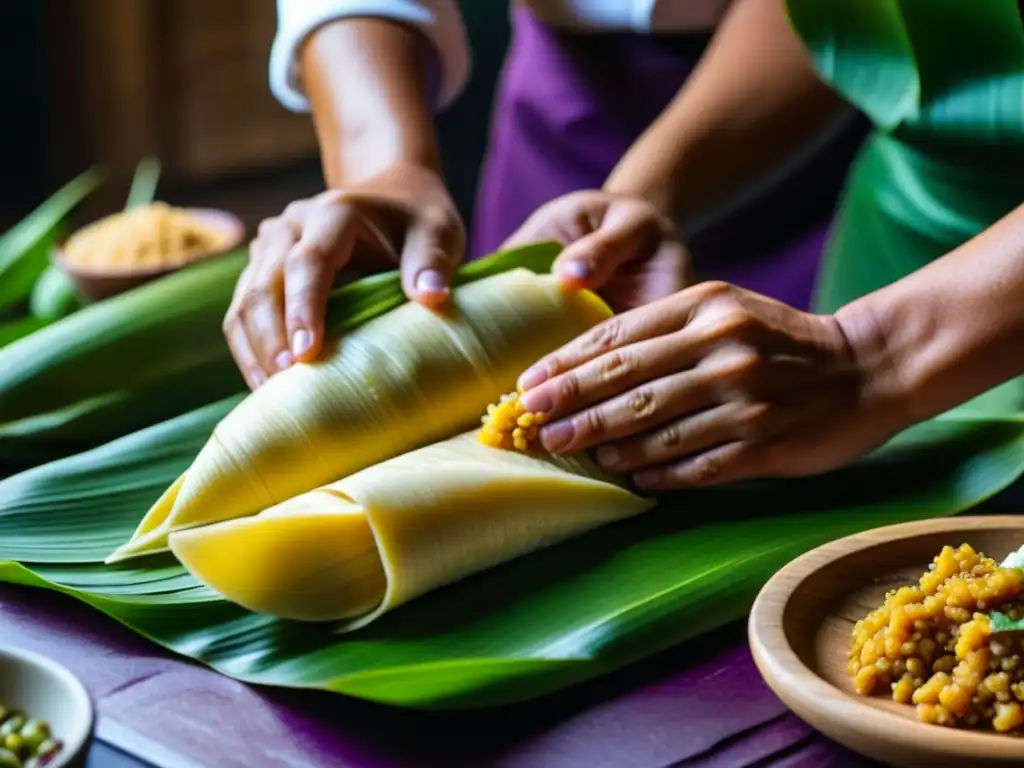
(433, 250)
(309, 269)
(626, 233)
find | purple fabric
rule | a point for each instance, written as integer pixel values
(702, 705)
(568, 107)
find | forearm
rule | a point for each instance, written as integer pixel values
(366, 82)
(949, 331)
(753, 99)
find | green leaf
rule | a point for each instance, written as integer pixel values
(157, 351)
(143, 189)
(552, 619)
(54, 295)
(1002, 623)
(12, 330)
(25, 248)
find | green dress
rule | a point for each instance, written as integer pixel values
(943, 83)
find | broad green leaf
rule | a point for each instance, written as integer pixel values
(157, 351)
(532, 626)
(25, 249)
(143, 189)
(12, 330)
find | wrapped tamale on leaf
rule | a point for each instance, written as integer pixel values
(406, 379)
(357, 548)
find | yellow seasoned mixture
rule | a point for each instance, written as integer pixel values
(933, 644)
(507, 425)
(147, 237)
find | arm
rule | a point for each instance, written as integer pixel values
(372, 73)
(753, 98)
(365, 81)
(950, 331)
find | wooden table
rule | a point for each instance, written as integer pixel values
(702, 705)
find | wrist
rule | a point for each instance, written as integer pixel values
(886, 392)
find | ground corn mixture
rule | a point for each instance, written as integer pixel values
(932, 645)
(507, 425)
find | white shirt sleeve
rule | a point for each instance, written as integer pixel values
(439, 20)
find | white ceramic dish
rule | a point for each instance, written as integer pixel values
(49, 691)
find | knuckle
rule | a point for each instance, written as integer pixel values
(670, 438)
(594, 423)
(712, 289)
(705, 468)
(643, 403)
(616, 365)
(569, 388)
(752, 424)
(605, 336)
(293, 211)
(267, 227)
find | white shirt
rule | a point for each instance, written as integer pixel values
(441, 22)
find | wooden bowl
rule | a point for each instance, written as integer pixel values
(98, 284)
(48, 691)
(800, 631)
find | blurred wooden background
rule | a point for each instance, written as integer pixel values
(186, 80)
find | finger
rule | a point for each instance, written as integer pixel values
(647, 322)
(309, 268)
(722, 464)
(627, 232)
(613, 373)
(262, 300)
(631, 413)
(748, 422)
(241, 351)
(432, 251)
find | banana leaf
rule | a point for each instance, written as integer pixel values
(12, 330)
(528, 628)
(157, 351)
(25, 248)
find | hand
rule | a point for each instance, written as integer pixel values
(712, 385)
(402, 218)
(619, 246)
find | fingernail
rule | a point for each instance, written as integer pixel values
(608, 457)
(648, 478)
(532, 377)
(302, 340)
(556, 436)
(537, 401)
(431, 281)
(257, 377)
(283, 360)
(579, 270)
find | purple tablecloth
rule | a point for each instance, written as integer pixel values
(702, 704)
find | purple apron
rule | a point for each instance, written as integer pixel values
(568, 107)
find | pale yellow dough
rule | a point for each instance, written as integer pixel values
(406, 379)
(359, 547)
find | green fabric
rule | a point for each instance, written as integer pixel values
(943, 83)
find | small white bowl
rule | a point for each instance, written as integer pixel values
(46, 690)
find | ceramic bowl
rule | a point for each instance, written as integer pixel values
(48, 691)
(98, 284)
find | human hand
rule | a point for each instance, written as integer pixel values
(620, 246)
(714, 384)
(403, 217)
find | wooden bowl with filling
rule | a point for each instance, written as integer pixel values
(802, 626)
(125, 250)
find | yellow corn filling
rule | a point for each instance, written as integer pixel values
(508, 425)
(150, 236)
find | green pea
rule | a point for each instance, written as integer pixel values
(34, 733)
(13, 724)
(4, 713)
(9, 760)
(16, 744)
